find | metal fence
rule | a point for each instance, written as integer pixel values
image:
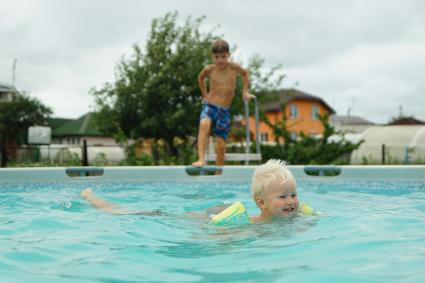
(383, 154)
(65, 155)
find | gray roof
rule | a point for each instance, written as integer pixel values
(7, 88)
(349, 120)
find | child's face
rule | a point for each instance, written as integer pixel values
(221, 59)
(280, 200)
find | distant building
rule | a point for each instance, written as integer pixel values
(394, 144)
(406, 121)
(68, 136)
(349, 124)
(7, 92)
(74, 131)
(302, 111)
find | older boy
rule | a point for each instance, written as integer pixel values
(215, 112)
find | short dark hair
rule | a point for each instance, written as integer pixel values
(220, 46)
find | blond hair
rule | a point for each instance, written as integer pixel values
(268, 172)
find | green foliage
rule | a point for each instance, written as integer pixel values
(155, 94)
(308, 149)
(133, 160)
(100, 160)
(185, 154)
(15, 118)
(75, 160)
(238, 134)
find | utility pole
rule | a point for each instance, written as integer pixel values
(14, 71)
(400, 110)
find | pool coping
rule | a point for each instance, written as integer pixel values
(229, 173)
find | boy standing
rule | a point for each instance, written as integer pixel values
(215, 114)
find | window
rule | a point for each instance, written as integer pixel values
(264, 137)
(293, 111)
(315, 112)
(294, 136)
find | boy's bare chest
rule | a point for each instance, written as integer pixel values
(226, 77)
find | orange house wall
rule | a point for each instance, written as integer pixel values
(302, 123)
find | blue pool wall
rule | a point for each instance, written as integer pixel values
(230, 173)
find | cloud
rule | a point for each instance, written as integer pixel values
(373, 79)
(356, 54)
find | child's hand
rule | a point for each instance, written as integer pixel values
(246, 96)
(205, 98)
(86, 193)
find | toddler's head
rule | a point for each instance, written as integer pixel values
(274, 190)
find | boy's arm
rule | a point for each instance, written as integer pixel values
(201, 80)
(245, 79)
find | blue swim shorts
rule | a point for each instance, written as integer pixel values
(220, 118)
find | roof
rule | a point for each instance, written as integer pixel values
(349, 120)
(407, 121)
(83, 126)
(7, 88)
(57, 122)
(287, 95)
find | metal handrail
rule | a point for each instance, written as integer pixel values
(257, 122)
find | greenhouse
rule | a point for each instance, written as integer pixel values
(398, 144)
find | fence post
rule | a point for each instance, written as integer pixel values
(383, 154)
(84, 160)
(406, 155)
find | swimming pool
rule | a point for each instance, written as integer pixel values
(372, 228)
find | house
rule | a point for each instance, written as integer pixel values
(68, 136)
(7, 92)
(74, 131)
(349, 124)
(302, 111)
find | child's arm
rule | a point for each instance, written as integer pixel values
(201, 80)
(245, 77)
(206, 215)
(105, 206)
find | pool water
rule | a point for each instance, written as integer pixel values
(369, 231)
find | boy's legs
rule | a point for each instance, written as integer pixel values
(220, 151)
(204, 130)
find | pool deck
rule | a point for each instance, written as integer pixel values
(229, 173)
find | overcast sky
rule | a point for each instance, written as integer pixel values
(366, 56)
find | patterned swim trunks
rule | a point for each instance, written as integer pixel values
(220, 118)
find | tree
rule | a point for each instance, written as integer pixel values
(15, 118)
(156, 92)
